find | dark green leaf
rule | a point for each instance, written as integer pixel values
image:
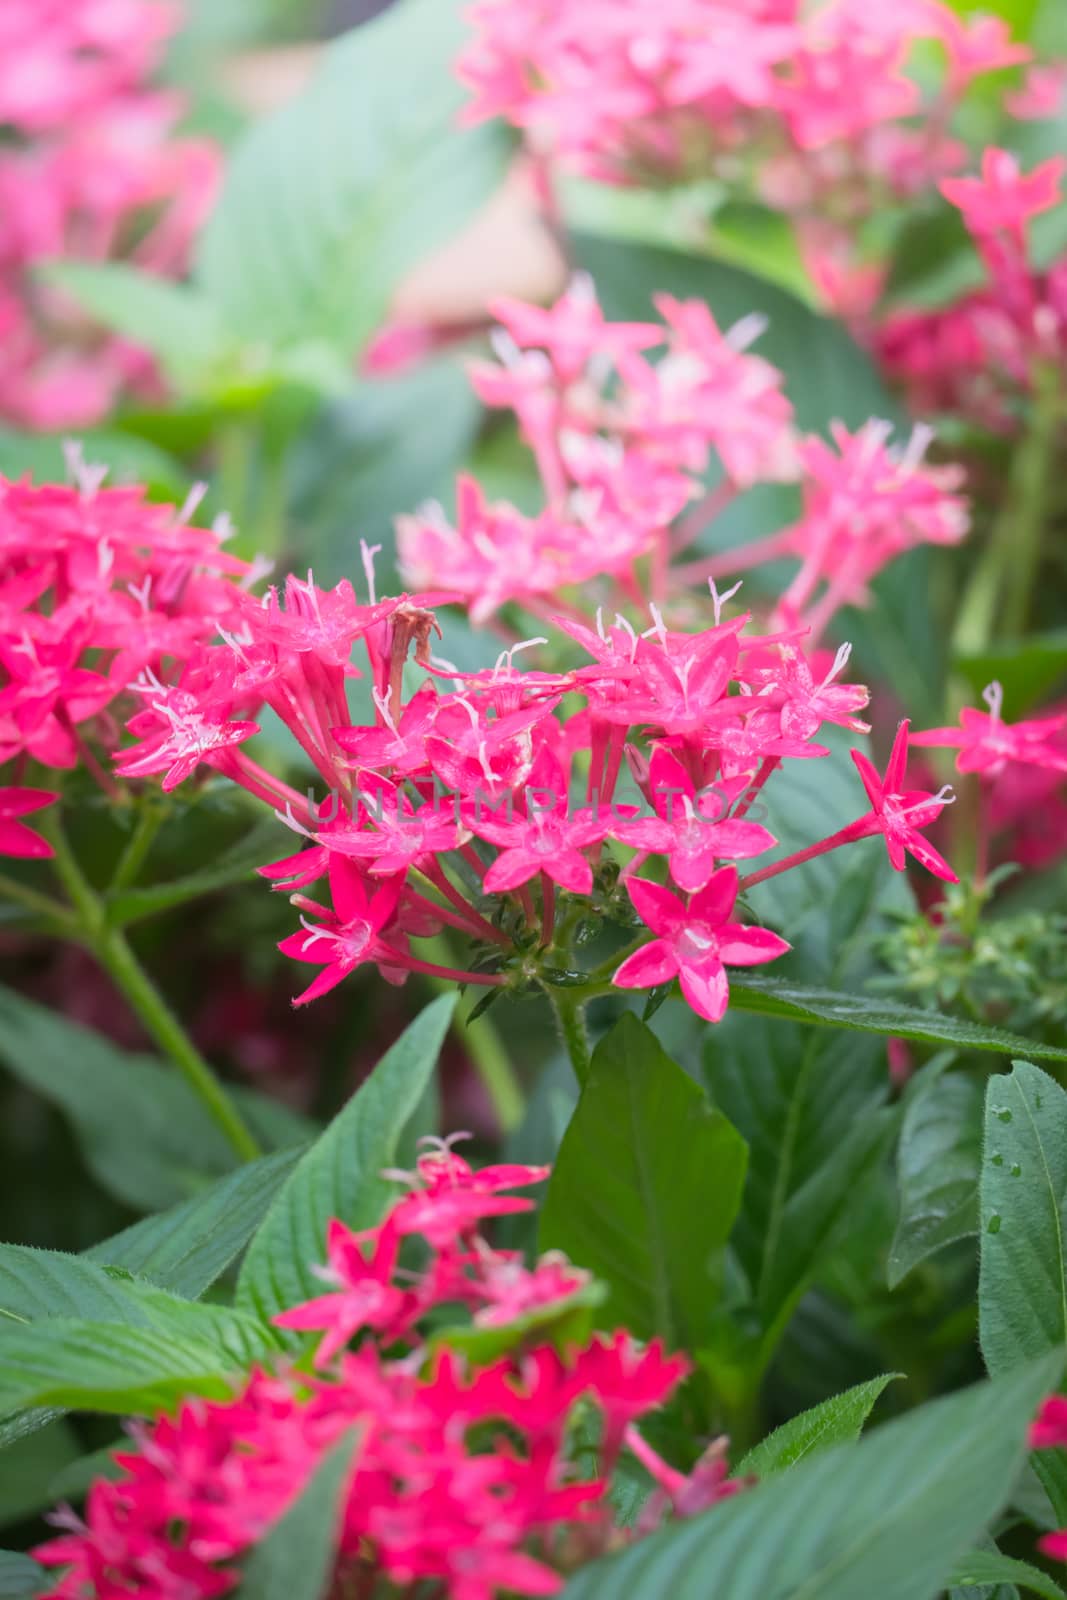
(143, 1133)
(990, 1567)
(938, 1162)
(19, 1576)
(236, 865)
(295, 1560)
(645, 1189)
(777, 997)
(1028, 670)
(886, 1517)
(813, 1124)
(186, 1248)
(330, 200)
(340, 1176)
(29, 1467)
(838, 1420)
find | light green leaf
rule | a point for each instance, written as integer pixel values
(187, 1247)
(795, 1002)
(645, 1189)
(340, 1176)
(144, 1135)
(179, 325)
(886, 1517)
(990, 1567)
(838, 1420)
(115, 1367)
(128, 459)
(295, 1560)
(1022, 1294)
(329, 201)
(938, 1162)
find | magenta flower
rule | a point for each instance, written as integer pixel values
(686, 827)
(1004, 197)
(695, 942)
(348, 936)
(548, 838)
(15, 838)
(365, 1296)
(986, 743)
(900, 813)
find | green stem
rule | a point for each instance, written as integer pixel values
(1005, 576)
(137, 847)
(42, 905)
(113, 952)
(163, 1026)
(569, 1008)
(484, 1046)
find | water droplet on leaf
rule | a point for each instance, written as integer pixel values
(1016, 1170)
(997, 1160)
(1004, 1115)
(993, 1225)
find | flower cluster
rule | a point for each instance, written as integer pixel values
(97, 588)
(92, 171)
(815, 105)
(489, 803)
(1048, 1431)
(623, 447)
(980, 354)
(462, 1474)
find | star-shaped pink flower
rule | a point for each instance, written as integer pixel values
(695, 942)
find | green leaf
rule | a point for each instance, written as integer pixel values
(645, 1189)
(114, 1367)
(186, 1248)
(128, 459)
(886, 1517)
(990, 1567)
(838, 1420)
(144, 1135)
(795, 1002)
(370, 455)
(938, 1162)
(29, 1467)
(19, 1576)
(1028, 670)
(1022, 1294)
(236, 865)
(295, 1560)
(328, 202)
(814, 1127)
(340, 1176)
(180, 326)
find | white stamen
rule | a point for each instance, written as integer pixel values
(719, 600)
(367, 553)
(191, 501)
(993, 695)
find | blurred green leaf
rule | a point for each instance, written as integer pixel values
(340, 1175)
(144, 1135)
(330, 200)
(19, 1576)
(990, 1567)
(886, 1517)
(295, 1559)
(1027, 670)
(645, 1189)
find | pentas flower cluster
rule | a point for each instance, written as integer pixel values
(90, 169)
(463, 1475)
(624, 445)
(97, 588)
(488, 803)
(814, 105)
(1022, 767)
(980, 355)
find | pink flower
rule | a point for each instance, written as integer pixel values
(900, 813)
(365, 1298)
(350, 935)
(15, 838)
(1049, 1428)
(694, 942)
(687, 826)
(987, 744)
(1004, 197)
